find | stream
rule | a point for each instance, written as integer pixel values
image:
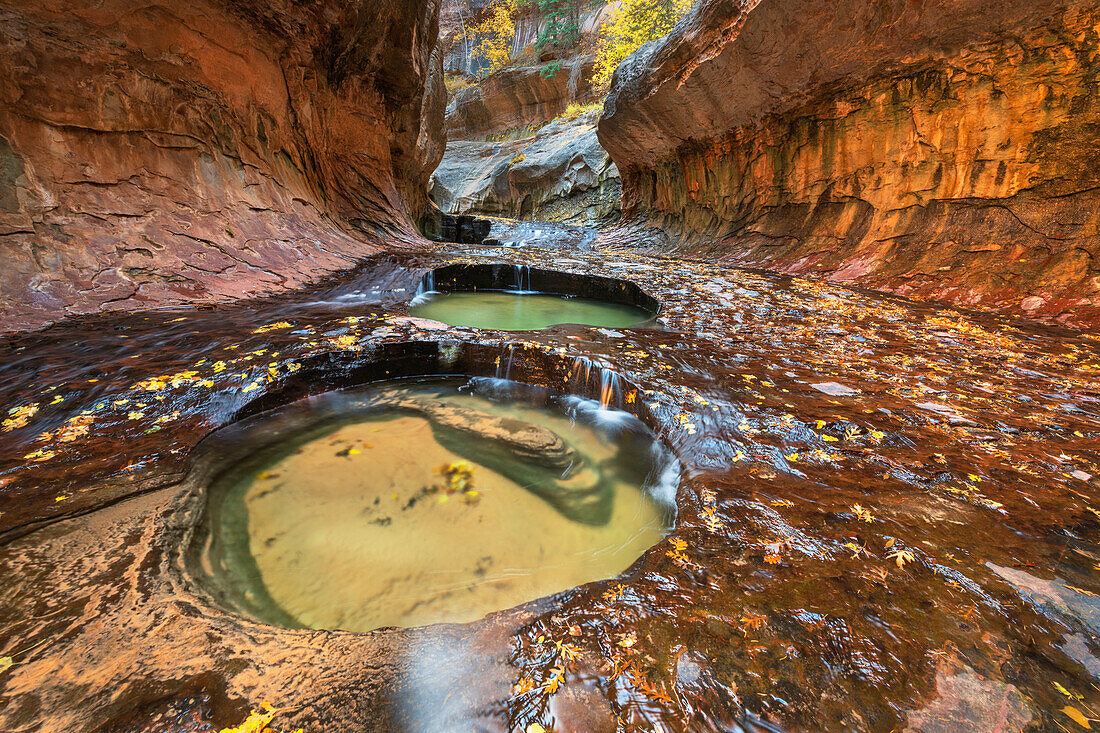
(888, 512)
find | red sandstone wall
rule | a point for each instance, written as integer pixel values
(946, 149)
(165, 152)
(520, 96)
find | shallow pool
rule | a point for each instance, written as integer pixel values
(523, 311)
(416, 503)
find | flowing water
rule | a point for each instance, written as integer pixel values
(888, 516)
(399, 506)
(523, 311)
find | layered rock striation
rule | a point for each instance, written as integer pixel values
(520, 97)
(941, 149)
(156, 153)
(559, 174)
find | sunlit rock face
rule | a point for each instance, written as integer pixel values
(164, 152)
(516, 97)
(942, 149)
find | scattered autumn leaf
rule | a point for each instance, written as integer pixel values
(1077, 716)
(901, 556)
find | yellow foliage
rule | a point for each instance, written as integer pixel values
(273, 327)
(494, 34)
(257, 721)
(634, 23)
(572, 112)
(20, 416)
(460, 477)
(1077, 716)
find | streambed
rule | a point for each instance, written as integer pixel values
(887, 516)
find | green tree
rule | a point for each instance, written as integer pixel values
(634, 23)
(562, 29)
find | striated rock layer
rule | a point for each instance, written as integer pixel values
(159, 152)
(560, 174)
(519, 97)
(939, 149)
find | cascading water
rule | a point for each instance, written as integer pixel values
(610, 384)
(504, 362)
(522, 277)
(509, 299)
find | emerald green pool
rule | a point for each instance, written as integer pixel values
(522, 311)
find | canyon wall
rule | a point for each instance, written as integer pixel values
(516, 149)
(158, 152)
(520, 96)
(944, 149)
(558, 174)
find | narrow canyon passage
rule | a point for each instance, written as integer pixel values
(409, 366)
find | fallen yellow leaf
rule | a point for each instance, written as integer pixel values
(1077, 716)
(257, 721)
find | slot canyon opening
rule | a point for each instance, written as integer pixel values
(425, 500)
(521, 298)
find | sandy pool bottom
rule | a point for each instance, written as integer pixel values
(346, 531)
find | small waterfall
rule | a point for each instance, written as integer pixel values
(521, 276)
(504, 363)
(610, 388)
(582, 380)
(578, 375)
(427, 286)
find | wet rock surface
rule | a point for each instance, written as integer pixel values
(942, 150)
(167, 153)
(834, 549)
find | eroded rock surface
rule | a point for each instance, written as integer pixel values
(159, 152)
(832, 549)
(560, 174)
(521, 96)
(533, 456)
(942, 149)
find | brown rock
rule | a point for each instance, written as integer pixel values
(969, 702)
(159, 152)
(525, 441)
(533, 456)
(578, 708)
(518, 97)
(943, 149)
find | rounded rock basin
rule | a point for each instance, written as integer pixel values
(415, 502)
(516, 298)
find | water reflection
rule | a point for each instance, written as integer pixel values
(523, 311)
(427, 502)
